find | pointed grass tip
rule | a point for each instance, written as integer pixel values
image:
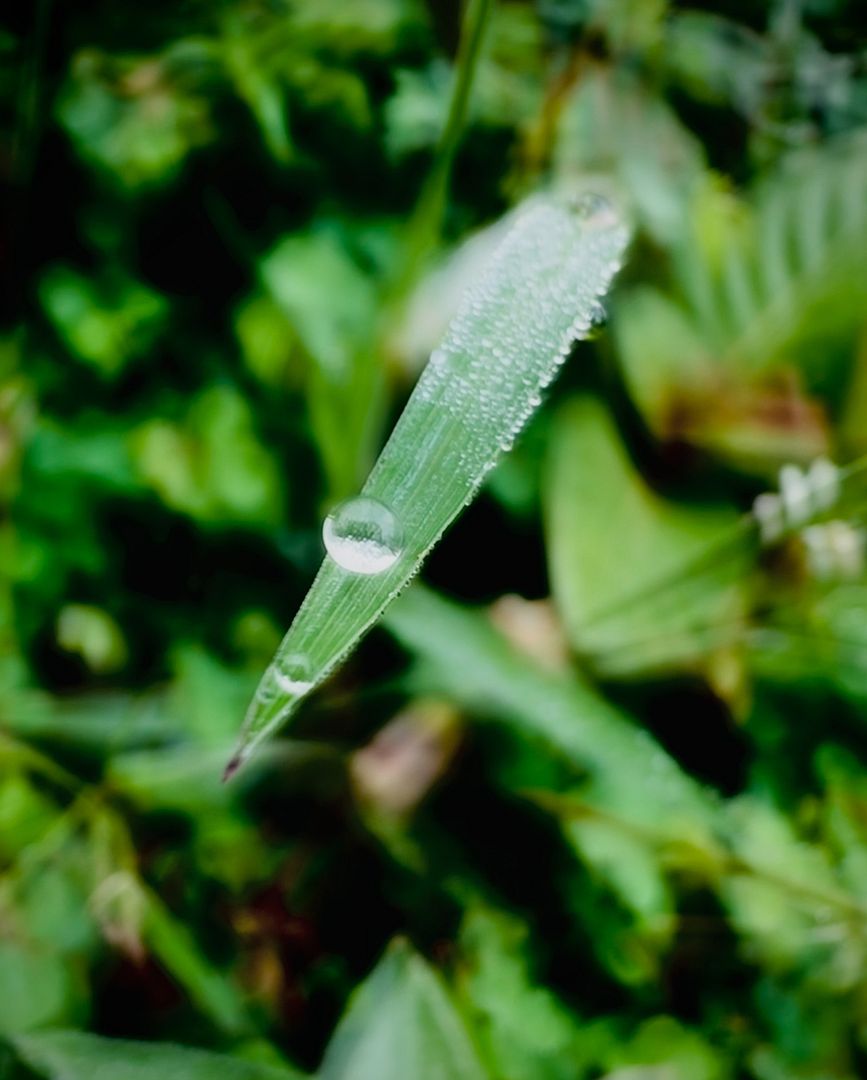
(235, 763)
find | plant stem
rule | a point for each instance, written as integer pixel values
(422, 233)
(426, 220)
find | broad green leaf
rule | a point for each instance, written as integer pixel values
(607, 591)
(400, 1023)
(78, 1055)
(37, 987)
(96, 723)
(47, 933)
(539, 293)
(325, 295)
(184, 778)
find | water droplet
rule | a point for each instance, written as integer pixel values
(598, 313)
(595, 211)
(362, 535)
(293, 673)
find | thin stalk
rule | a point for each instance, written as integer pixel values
(420, 237)
(426, 220)
(570, 807)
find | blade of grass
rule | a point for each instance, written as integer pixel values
(465, 658)
(539, 294)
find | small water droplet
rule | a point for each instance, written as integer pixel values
(293, 673)
(363, 536)
(595, 211)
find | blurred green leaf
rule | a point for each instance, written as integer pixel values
(610, 128)
(37, 987)
(212, 465)
(266, 337)
(105, 322)
(527, 1033)
(177, 951)
(138, 118)
(25, 813)
(663, 1049)
(464, 658)
(76, 1055)
(401, 1023)
(631, 947)
(789, 893)
(94, 635)
(622, 603)
(329, 302)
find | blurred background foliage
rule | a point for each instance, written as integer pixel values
(603, 811)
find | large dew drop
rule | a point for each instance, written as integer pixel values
(363, 536)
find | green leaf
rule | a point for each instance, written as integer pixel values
(78, 1055)
(769, 277)
(400, 1023)
(325, 295)
(633, 940)
(515, 327)
(212, 466)
(527, 1033)
(845, 812)
(637, 137)
(25, 814)
(467, 660)
(175, 947)
(37, 987)
(107, 322)
(627, 604)
(329, 302)
(137, 118)
(661, 1047)
(787, 892)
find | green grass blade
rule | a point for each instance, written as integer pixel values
(469, 662)
(538, 295)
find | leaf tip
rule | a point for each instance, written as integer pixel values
(235, 763)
